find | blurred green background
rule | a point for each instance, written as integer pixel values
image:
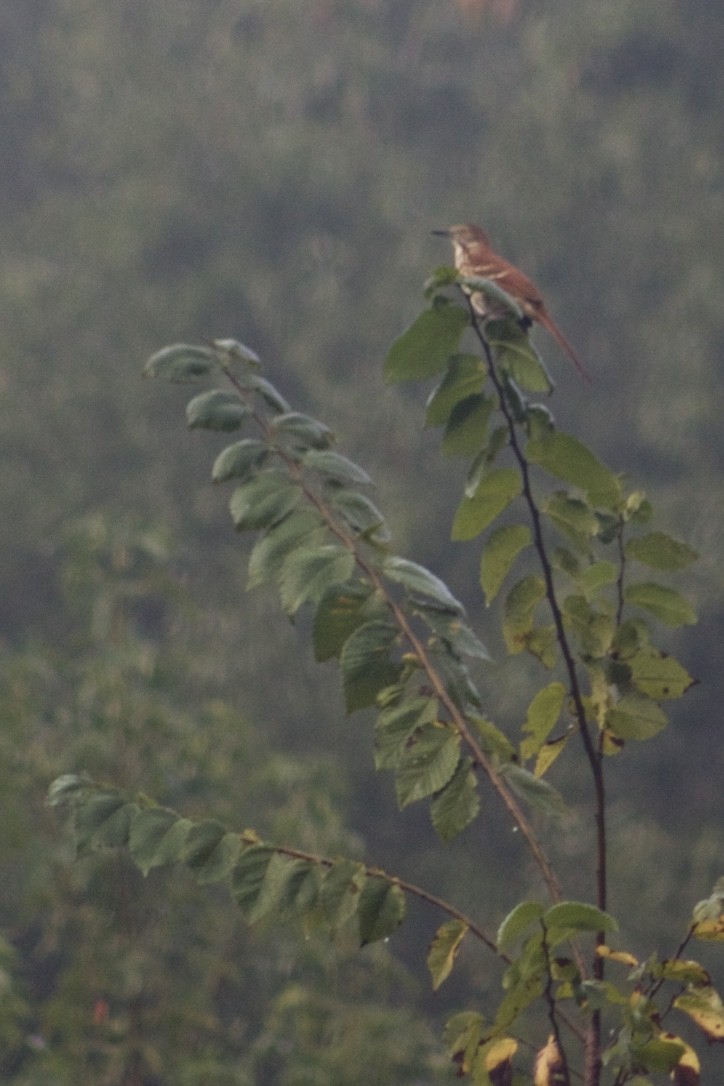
(272, 171)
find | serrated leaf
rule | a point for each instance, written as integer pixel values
(181, 363)
(658, 675)
(542, 717)
(154, 838)
(465, 430)
(578, 916)
(444, 950)
(340, 892)
(263, 501)
(92, 811)
(335, 466)
(534, 790)
(548, 753)
(394, 726)
(635, 717)
(517, 924)
(425, 347)
(216, 410)
(114, 830)
(666, 604)
(247, 877)
(519, 611)
(381, 909)
(210, 852)
(341, 611)
(431, 756)
(239, 460)
(494, 494)
(542, 643)
(302, 431)
(595, 628)
(465, 376)
(309, 572)
(450, 628)
(358, 512)
(367, 665)
(419, 581)
(301, 528)
(457, 804)
(499, 554)
(289, 885)
(494, 741)
(657, 550)
(567, 458)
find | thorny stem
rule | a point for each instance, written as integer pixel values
(456, 716)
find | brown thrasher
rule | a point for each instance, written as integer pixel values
(475, 256)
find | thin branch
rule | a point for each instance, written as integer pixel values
(457, 717)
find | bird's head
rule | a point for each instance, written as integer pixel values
(465, 234)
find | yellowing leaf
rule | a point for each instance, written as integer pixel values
(706, 1010)
(548, 1064)
(444, 950)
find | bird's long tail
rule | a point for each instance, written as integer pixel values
(552, 328)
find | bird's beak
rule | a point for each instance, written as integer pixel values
(441, 233)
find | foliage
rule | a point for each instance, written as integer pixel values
(404, 646)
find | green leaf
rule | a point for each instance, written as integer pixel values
(428, 343)
(517, 924)
(499, 553)
(595, 628)
(666, 604)
(517, 356)
(705, 1008)
(91, 812)
(519, 611)
(335, 467)
(301, 528)
(465, 377)
(494, 494)
(572, 517)
(267, 391)
(578, 916)
(367, 665)
(237, 351)
(635, 717)
(239, 460)
(154, 838)
(394, 726)
(216, 410)
(339, 894)
(465, 431)
(431, 756)
(444, 950)
(542, 717)
(248, 875)
(419, 581)
(567, 458)
(210, 852)
(660, 551)
(534, 790)
(457, 804)
(114, 831)
(542, 643)
(495, 742)
(301, 431)
(263, 501)
(450, 628)
(381, 909)
(358, 512)
(309, 572)
(597, 576)
(341, 611)
(181, 363)
(658, 675)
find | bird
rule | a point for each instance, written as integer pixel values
(475, 256)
